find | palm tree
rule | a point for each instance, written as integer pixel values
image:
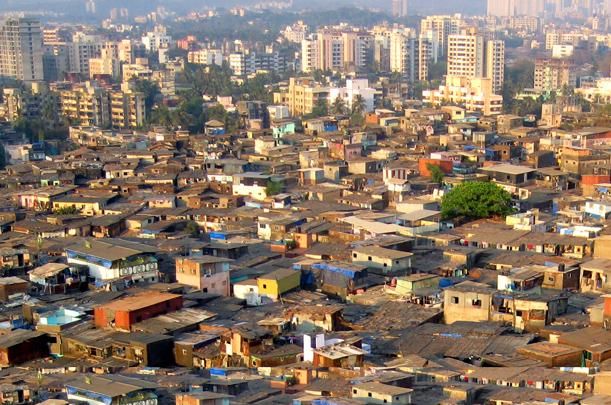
(358, 110)
(339, 106)
(321, 108)
(358, 105)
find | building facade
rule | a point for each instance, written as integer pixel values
(21, 49)
(554, 74)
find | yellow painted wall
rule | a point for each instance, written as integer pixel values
(273, 288)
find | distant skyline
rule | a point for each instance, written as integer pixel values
(142, 6)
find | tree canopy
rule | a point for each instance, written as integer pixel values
(339, 106)
(3, 159)
(67, 211)
(437, 174)
(476, 200)
(150, 90)
(273, 188)
(321, 108)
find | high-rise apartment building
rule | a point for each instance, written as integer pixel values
(501, 8)
(553, 38)
(206, 57)
(381, 50)
(495, 64)
(89, 104)
(399, 8)
(466, 55)
(426, 53)
(402, 52)
(471, 56)
(323, 51)
(554, 74)
(83, 48)
(249, 63)
(439, 28)
(107, 64)
(336, 50)
(302, 95)
(410, 55)
(475, 94)
(296, 32)
(529, 7)
(357, 50)
(156, 39)
(21, 49)
(511, 8)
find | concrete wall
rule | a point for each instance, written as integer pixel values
(273, 288)
(382, 263)
(458, 306)
(123, 320)
(379, 398)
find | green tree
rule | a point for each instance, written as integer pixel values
(258, 87)
(476, 200)
(192, 228)
(2, 156)
(67, 211)
(191, 114)
(339, 106)
(358, 110)
(437, 174)
(320, 75)
(395, 78)
(320, 109)
(273, 187)
(519, 76)
(438, 70)
(161, 115)
(150, 90)
(216, 112)
(358, 105)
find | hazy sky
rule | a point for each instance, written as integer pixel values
(141, 6)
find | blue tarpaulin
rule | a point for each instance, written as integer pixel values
(218, 235)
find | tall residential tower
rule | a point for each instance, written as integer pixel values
(399, 8)
(21, 49)
(471, 56)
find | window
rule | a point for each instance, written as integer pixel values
(369, 395)
(454, 300)
(396, 262)
(369, 258)
(518, 313)
(385, 265)
(354, 391)
(354, 255)
(264, 286)
(476, 302)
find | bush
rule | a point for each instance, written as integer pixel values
(476, 200)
